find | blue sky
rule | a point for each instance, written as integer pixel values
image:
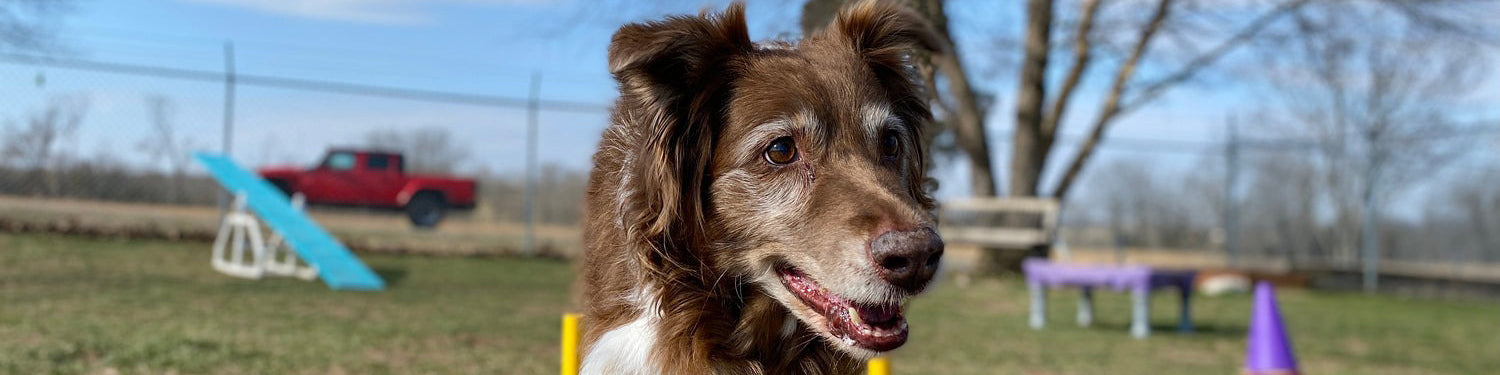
(488, 47)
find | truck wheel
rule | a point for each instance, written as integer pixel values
(425, 210)
(284, 186)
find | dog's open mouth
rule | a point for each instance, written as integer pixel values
(874, 327)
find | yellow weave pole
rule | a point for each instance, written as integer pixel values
(570, 344)
(880, 366)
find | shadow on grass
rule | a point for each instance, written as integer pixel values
(1199, 329)
(391, 275)
(1204, 330)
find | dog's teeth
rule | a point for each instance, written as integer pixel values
(854, 316)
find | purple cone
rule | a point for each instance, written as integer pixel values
(1269, 350)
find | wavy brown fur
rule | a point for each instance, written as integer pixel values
(650, 217)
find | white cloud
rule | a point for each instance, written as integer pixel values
(391, 12)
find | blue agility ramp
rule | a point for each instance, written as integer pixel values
(331, 261)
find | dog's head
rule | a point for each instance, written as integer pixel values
(798, 168)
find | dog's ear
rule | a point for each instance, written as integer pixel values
(674, 76)
(665, 61)
(887, 36)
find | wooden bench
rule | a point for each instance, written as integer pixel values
(1000, 223)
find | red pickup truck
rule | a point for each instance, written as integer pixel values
(364, 178)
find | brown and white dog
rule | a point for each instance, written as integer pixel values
(758, 209)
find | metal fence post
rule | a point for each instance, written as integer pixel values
(531, 168)
(228, 135)
(1231, 179)
(1369, 228)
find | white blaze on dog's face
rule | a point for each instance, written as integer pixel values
(817, 176)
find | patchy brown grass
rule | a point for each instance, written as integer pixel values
(362, 230)
(87, 305)
(80, 305)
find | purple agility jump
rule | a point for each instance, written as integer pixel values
(1139, 280)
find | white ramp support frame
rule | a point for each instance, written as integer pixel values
(335, 264)
(241, 232)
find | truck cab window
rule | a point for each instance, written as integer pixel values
(377, 162)
(339, 161)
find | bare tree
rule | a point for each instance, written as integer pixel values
(1200, 37)
(561, 193)
(1095, 25)
(27, 25)
(1473, 207)
(427, 149)
(1280, 217)
(1377, 90)
(962, 105)
(1147, 207)
(164, 146)
(1179, 40)
(36, 145)
(1039, 117)
(1095, 41)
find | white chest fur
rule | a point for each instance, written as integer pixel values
(627, 349)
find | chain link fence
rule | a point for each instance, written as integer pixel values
(104, 147)
(1274, 200)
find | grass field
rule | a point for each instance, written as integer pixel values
(71, 305)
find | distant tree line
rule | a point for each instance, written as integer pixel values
(1285, 212)
(35, 163)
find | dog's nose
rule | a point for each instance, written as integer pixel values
(908, 258)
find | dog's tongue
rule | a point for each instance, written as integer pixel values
(879, 328)
(875, 315)
(873, 327)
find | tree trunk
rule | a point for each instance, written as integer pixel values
(968, 126)
(967, 118)
(1031, 144)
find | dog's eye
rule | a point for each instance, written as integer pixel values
(890, 145)
(781, 151)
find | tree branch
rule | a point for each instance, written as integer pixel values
(1081, 57)
(967, 122)
(1151, 91)
(1112, 103)
(963, 114)
(929, 79)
